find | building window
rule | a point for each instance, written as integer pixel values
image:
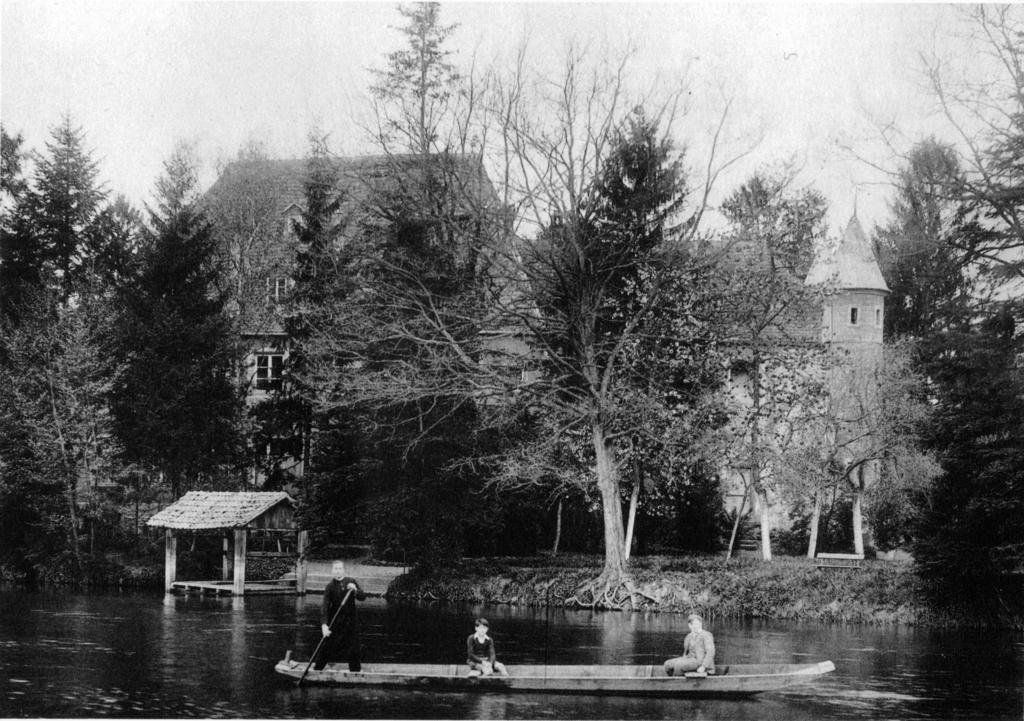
(277, 287)
(854, 313)
(269, 371)
(878, 317)
(290, 447)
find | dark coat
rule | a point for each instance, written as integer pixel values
(344, 639)
(478, 652)
(334, 592)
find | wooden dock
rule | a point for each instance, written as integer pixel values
(374, 581)
(225, 588)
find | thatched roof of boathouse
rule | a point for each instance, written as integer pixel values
(214, 510)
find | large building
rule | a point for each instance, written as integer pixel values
(255, 205)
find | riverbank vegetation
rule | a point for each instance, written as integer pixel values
(879, 592)
(459, 348)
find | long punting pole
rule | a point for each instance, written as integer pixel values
(323, 638)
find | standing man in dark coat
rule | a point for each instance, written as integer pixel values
(341, 638)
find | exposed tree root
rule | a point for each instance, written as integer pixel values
(608, 593)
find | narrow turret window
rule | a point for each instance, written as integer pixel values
(853, 315)
(878, 317)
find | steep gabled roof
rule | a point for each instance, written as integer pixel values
(370, 187)
(851, 264)
(207, 510)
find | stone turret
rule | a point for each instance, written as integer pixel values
(854, 307)
(853, 312)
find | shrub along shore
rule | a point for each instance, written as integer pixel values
(879, 592)
(787, 588)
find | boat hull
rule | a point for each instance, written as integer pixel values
(734, 680)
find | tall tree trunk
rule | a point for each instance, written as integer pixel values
(858, 521)
(611, 504)
(812, 543)
(138, 491)
(423, 92)
(558, 529)
(755, 457)
(633, 501)
(307, 439)
(71, 482)
(91, 501)
(766, 538)
(70, 479)
(736, 523)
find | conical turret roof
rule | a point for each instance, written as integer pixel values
(852, 263)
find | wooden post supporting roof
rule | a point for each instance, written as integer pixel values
(301, 564)
(170, 559)
(225, 557)
(240, 538)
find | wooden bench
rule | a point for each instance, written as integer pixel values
(839, 560)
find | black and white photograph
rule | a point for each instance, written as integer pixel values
(511, 360)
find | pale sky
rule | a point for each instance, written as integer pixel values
(141, 76)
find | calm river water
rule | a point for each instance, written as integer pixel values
(144, 655)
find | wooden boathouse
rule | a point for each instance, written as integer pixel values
(234, 516)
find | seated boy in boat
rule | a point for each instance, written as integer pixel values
(480, 653)
(698, 651)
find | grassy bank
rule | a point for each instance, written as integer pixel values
(787, 588)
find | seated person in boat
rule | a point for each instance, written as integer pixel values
(338, 622)
(480, 652)
(698, 650)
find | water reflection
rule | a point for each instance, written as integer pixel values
(239, 645)
(147, 655)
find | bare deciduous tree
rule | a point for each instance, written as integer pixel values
(872, 417)
(986, 114)
(564, 316)
(771, 320)
(250, 229)
(58, 376)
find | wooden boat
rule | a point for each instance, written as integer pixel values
(729, 680)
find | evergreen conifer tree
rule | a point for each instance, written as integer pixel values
(970, 540)
(417, 83)
(64, 203)
(177, 406)
(317, 275)
(922, 251)
(21, 256)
